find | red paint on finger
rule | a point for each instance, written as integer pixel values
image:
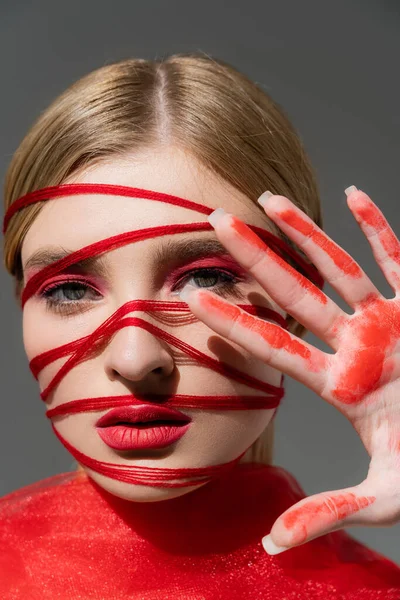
(394, 441)
(275, 336)
(368, 212)
(308, 229)
(246, 234)
(317, 516)
(395, 278)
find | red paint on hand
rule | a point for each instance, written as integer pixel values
(337, 254)
(246, 234)
(273, 334)
(320, 515)
(372, 216)
(369, 340)
(395, 278)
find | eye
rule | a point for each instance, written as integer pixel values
(68, 296)
(221, 281)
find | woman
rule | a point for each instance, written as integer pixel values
(175, 488)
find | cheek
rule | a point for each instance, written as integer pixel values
(249, 423)
(33, 333)
(262, 371)
(230, 432)
(43, 331)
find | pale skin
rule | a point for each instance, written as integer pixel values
(360, 379)
(135, 361)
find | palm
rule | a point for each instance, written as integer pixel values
(361, 378)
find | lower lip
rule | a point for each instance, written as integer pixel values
(123, 437)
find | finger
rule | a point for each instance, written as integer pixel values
(384, 244)
(337, 267)
(318, 515)
(266, 341)
(293, 292)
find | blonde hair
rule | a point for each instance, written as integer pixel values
(205, 106)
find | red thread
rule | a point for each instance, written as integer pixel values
(87, 346)
(76, 189)
(175, 400)
(42, 360)
(81, 349)
(60, 191)
(150, 476)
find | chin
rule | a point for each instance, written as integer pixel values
(138, 493)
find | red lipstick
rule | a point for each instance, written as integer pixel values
(141, 427)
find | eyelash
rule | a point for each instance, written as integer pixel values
(226, 288)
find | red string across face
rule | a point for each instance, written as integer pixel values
(80, 349)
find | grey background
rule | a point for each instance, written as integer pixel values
(332, 65)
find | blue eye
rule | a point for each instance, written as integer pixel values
(73, 289)
(68, 296)
(223, 282)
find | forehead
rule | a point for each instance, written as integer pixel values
(77, 221)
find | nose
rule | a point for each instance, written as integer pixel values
(137, 355)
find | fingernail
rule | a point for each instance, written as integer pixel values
(350, 189)
(185, 292)
(216, 216)
(263, 199)
(270, 547)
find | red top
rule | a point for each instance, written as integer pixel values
(65, 537)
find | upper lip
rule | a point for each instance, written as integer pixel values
(143, 413)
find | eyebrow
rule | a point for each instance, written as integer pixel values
(169, 251)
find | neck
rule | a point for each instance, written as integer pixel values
(233, 510)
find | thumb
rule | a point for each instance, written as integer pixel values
(317, 515)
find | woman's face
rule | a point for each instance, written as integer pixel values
(134, 360)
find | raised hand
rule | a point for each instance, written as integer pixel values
(362, 377)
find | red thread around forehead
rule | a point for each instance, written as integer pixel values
(76, 189)
(73, 189)
(83, 348)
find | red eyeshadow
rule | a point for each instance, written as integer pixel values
(209, 262)
(69, 277)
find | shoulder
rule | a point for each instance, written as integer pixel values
(32, 488)
(28, 521)
(33, 500)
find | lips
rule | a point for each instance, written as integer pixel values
(141, 415)
(142, 427)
